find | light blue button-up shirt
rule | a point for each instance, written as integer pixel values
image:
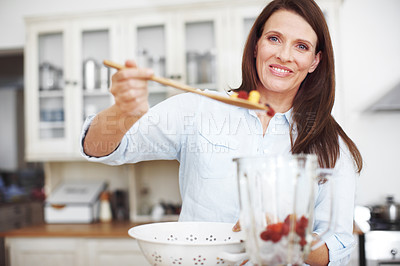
(204, 136)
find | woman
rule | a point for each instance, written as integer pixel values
(288, 58)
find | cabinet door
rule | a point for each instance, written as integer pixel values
(66, 82)
(114, 252)
(48, 90)
(45, 251)
(94, 40)
(149, 44)
(203, 47)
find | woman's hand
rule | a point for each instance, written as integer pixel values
(129, 88)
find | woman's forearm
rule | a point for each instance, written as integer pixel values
(107, 130)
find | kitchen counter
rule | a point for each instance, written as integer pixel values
(101, 230)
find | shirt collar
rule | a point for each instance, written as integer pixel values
(287, 114)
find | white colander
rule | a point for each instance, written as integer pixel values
(187, 243)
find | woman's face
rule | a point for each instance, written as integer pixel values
(285, 53)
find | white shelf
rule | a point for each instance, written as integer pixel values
(51, 93)
(96, 93)
(52, 125)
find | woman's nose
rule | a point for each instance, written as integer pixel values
(285, 53)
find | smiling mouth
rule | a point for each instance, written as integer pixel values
(280, 70)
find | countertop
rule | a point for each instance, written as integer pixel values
(100, 230)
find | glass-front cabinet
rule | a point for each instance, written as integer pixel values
(65, 82)
(149, 46)
(177, 45)
(46, 91)
(203, 36)
(96, 40)
(51, 86)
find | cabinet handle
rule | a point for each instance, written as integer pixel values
(68, 82)
(177, 76)
(394, 253)
(58, 206)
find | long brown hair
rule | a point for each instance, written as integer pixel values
(317, 130)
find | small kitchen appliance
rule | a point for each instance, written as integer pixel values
(74, 202)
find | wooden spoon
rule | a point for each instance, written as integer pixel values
(232, 101)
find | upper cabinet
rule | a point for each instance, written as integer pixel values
(180, 45)
(64, 82)
(199, 44)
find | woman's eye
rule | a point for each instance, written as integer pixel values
(273, 38)
(303, 47)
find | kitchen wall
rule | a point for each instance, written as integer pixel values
(370, 57)
(367, 50)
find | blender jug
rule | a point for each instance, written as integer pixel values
(277, 196)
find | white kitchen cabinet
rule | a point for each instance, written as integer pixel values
(44, 251)
(149, 43)
(114, 252)
(184, 46)
(56, 99)
(52, 251)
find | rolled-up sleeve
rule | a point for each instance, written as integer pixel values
(115, 158)
(339, 250)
